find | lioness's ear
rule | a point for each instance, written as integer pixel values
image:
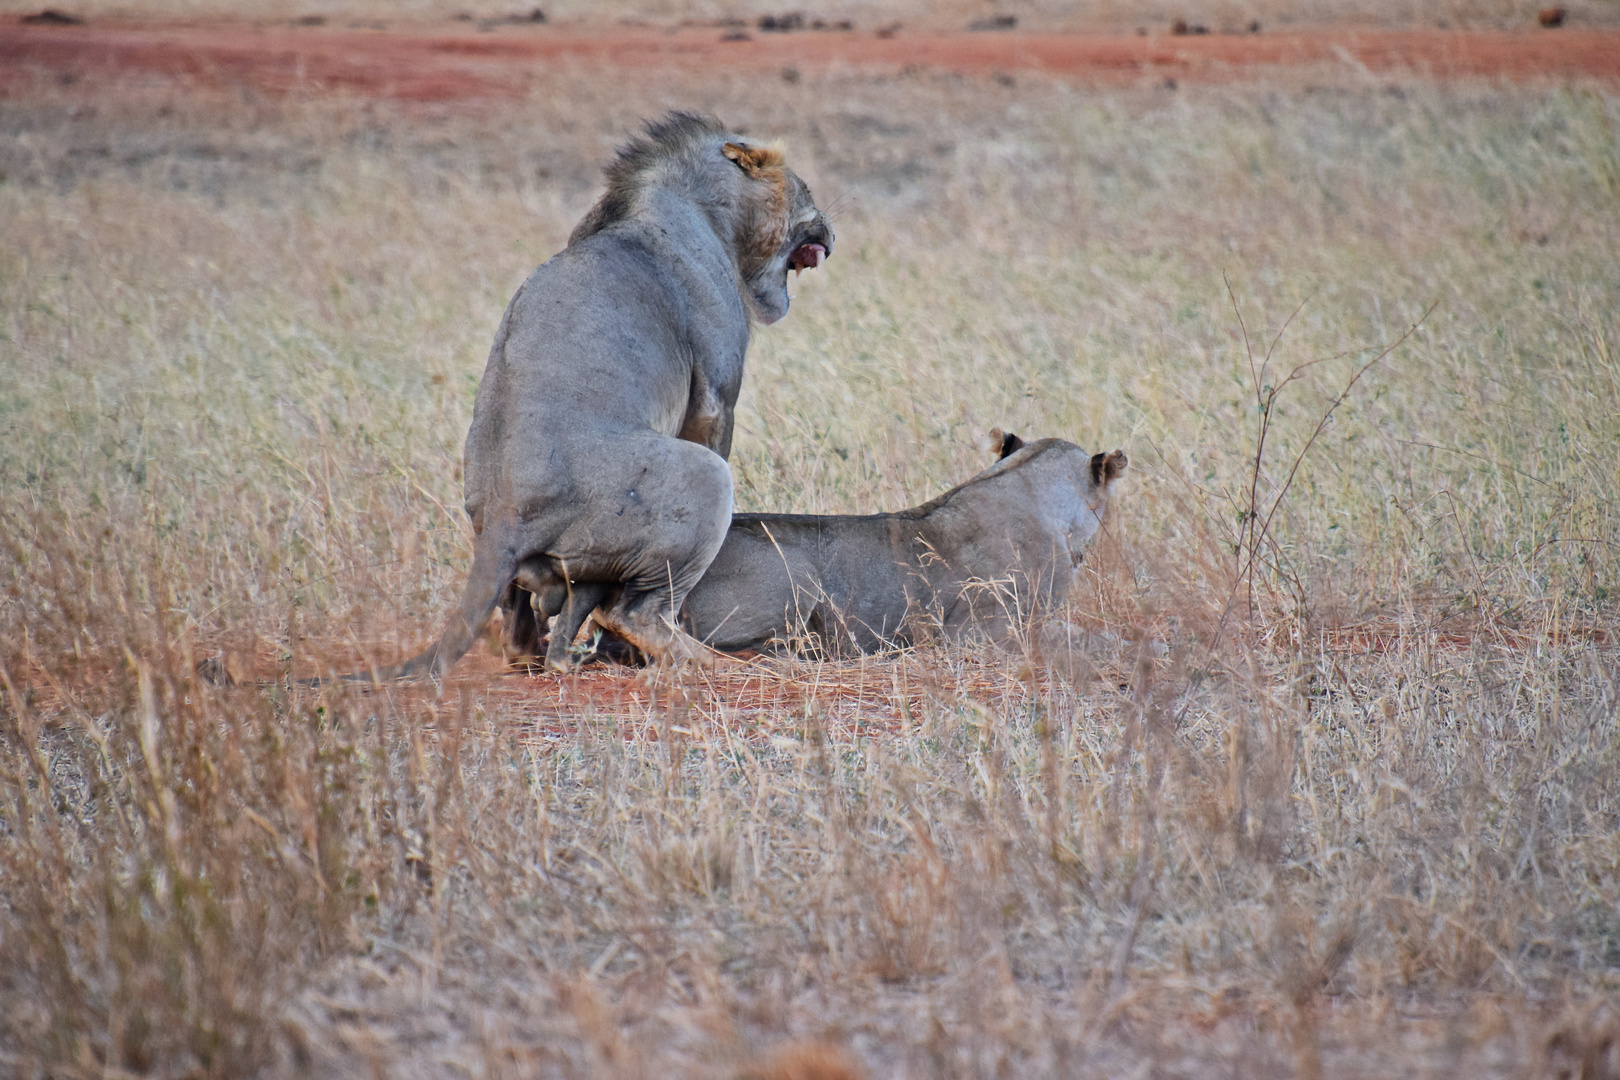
(752, 159)
(1010, 445)
(1106, 468)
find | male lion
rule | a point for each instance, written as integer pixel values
(995, 551)
(597, 453)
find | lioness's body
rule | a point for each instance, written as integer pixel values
(994, 551)
(596, 455)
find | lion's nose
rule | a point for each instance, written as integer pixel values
(826, 232)
(821, 233)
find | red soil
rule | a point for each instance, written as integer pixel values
(420, 66)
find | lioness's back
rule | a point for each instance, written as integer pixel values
(875, 580)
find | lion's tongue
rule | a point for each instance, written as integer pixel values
(806, 256)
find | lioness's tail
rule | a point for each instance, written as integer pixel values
(494, 562)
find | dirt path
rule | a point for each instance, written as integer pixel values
(422, 66)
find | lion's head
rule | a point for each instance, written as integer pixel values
(754, 201)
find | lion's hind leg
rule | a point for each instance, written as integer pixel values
(646, 620)
(688, 492)
(583, 597)
(644, 613)
(536, 593)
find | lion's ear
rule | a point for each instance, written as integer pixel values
(752, 159)
(1106, 468)
(1010, 445)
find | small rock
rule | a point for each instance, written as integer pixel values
(52, 17)
(994, 22)
(1551, 17)
(889, 31)
(781, 24)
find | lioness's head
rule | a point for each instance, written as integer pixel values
(1074, 486)
(1106, 468)
(755, 202)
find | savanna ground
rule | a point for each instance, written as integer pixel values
(1341, 802)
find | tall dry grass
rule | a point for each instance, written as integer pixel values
(1365, 826)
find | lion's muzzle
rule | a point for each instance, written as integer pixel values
(807, 257)
(813, 242)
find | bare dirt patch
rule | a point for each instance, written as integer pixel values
(422, 66)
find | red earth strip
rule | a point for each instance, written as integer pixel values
(420, 66)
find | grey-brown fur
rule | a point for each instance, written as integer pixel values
(596, 456)
(993, 552)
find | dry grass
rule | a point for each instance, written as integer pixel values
(1365, 827)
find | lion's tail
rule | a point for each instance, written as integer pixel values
(495, 560)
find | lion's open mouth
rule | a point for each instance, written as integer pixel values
(807, 256)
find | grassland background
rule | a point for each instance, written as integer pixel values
(1369, 826)
(867, 15)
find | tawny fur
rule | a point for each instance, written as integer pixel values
(596, 459)
(986, 558)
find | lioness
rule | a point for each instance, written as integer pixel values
(597, 453)
(995, 551)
